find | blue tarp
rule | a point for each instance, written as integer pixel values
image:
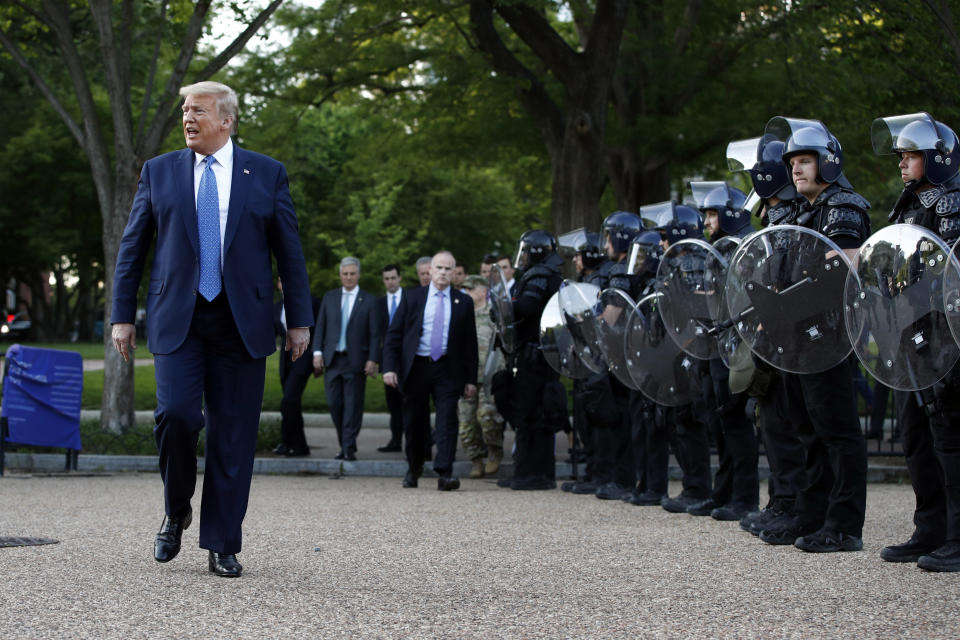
(42, 392)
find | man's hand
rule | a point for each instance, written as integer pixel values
(297, 341)
(469, 391)
(390, 378)
(370, 368)
(317, 366)
(124, 336)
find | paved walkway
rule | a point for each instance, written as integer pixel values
(363, 558)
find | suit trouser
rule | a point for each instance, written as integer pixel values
(345, 393)
(835, 494)
(781, 443)
(430, 379)
(291, 406)
(931, 445)
(211, 369)
(395, 407)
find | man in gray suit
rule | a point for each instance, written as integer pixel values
(346, 347)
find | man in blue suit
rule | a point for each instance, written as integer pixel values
(346, 345)
(215, 213)
(431, 350)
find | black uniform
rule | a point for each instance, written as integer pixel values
(822, 406)
(613, 456)
(736, 485)
(584, 418)
(928, 419)
(534, 455)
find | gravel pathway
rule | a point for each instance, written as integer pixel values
(363, 558)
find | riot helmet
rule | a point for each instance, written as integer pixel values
(679, 222)
(587, 244)
(619, 228)
(534, 247)
(645, 253)
(729, 203)
(809, 136)
(921, 133)
(762, 158)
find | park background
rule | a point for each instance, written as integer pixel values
(410, 126)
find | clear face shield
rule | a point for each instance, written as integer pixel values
(522, 258)
(911, 132)
(781, 128)
(701, 190)
(637, 258)
(742, 154)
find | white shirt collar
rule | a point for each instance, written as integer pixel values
(223, 156)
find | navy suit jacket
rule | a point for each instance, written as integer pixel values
(260, 221)
(403, 337)
(363, 330)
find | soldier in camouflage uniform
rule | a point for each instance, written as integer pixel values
(481, 426)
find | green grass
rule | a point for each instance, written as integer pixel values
(139, 441)
(314, 398)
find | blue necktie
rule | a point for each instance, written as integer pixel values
(393, 307)
(436, 336)
(208, 220)
(344, 317)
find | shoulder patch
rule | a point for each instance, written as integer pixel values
(849, 199)
(949, 204)
(929, 197)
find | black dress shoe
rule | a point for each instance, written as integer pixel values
(350, 457)
(410, 480)
(339, 456)
(225, 565)
(297, 453)
(281, 449)
(448, 484)
(390, 447)
(167, 545)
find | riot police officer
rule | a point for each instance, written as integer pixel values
(830, 512)
(762, 158)
(593, 267)
(687, 428)
(613, 459)
(929, 154)
(532, 405)
(736, 484)
(651, 454)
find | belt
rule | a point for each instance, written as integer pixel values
(429, 359)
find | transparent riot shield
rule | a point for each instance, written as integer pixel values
(612, 319)
(894, 308)
(715, 281)
(785, 296)
(557, 344)
(659, 368)
(578, 306)
(501, 304)
(686, 296)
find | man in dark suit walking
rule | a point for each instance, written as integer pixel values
(431, 350)
(387, 307)
(293, 380)
(346, 346)
(215, 213)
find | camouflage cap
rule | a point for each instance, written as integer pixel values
(473, 281)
